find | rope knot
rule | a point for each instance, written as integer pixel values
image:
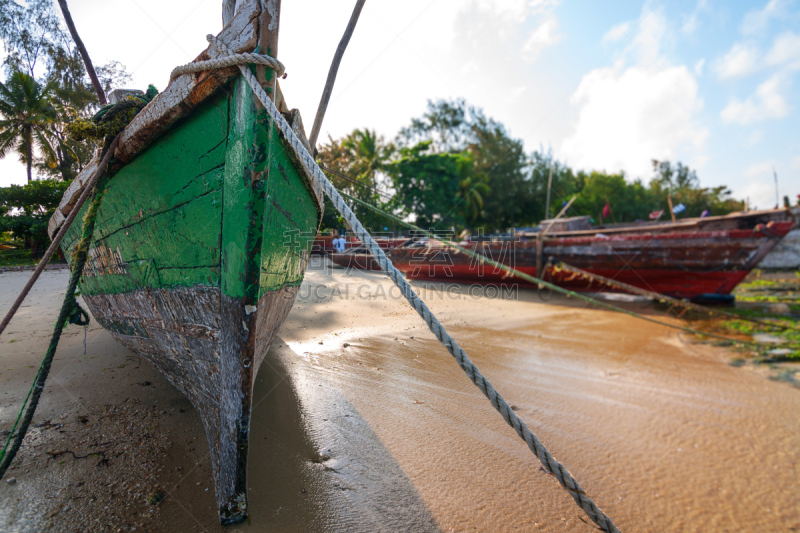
(78, 316)
(229, 59)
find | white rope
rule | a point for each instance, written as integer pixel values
(229, 60)
(310, 166)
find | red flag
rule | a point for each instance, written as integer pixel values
(655, 215)
(607, 210)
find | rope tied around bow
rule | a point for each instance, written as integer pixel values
(229, 60)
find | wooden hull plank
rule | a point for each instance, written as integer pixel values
(160, 218)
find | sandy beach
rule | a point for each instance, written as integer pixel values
(363, 422)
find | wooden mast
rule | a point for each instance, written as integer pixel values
(269, 26)
(337, 59)
(671, 211)
(98, 87)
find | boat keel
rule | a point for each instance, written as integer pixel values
(209, 346)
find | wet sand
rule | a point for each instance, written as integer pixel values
(363, 422)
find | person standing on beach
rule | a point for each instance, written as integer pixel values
(338, 244)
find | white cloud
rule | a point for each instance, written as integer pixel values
(545, 35)
(652, 32)
(640, 109)
(629, 116)
(617, 32)
(757, 20)
(796, 163)
(760, 194)
(742, 59)
(515, 9)
(785, 50)
(538, 6)
(760, 170)
(698, 67)
(510, 8)
(521, 28)
(766, 103)
(691, 22)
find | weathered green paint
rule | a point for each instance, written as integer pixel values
(209, 203)
(245, 177)
(287, 239)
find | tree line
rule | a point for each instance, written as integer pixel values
(46, 87)
(454, 167)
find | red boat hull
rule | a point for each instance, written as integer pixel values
(680, 264)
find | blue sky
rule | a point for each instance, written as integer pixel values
(721, 80)
(604, 85)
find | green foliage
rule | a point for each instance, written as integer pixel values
(469, 198)
(500, 167)
(683, 185)
(761, 294)
(37, 45)
(355, 164)
(494, 193)
(430, 184)
(629, 201)
(25, 210)
(15, 256)
(564, 186)
(110, 120)
(30, 32)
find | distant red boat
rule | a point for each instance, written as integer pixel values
(684, 262)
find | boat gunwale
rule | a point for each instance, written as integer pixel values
(667, 226)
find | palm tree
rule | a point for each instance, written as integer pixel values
(27, 114)
(368, 152)
(470, 196)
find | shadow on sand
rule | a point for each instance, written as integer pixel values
(315, 464)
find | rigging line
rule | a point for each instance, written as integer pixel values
(355, 181)
(87, 190)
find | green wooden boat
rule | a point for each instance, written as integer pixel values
(201, 242)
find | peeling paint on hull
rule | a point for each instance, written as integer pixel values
(208, 222)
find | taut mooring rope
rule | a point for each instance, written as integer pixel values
(549, 462)
(69, 308)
